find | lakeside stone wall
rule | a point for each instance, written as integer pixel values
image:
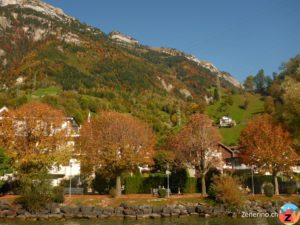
(60, 212)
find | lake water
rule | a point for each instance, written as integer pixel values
(169, 221)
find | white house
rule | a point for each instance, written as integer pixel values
(227, 122)
(61, 172)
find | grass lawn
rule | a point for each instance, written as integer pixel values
(241, 116)
(134, 199)
(50, 91)
(106, 201)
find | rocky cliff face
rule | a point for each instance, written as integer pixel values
(38, 6)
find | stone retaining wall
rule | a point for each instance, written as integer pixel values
(58, 212)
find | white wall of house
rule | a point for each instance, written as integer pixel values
(65, 172)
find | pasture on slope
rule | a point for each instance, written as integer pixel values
(236, 112)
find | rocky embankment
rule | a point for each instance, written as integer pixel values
(61, 212)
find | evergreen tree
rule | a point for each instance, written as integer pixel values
(260, 81)
(249, 83)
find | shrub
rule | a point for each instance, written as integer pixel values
(291, 189)
(268, 189)
(35, 190)
(212, 192)
(226, 190)
(113, 192)
(162, 193)
(58, 194)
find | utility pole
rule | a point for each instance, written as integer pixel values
(168, 181)
(70, 187)
(252, 171)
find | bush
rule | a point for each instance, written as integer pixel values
(212, 192)
(35, 189)
(58, 194)
(226, 189)
(268, 189)
(113, 192)
(291, 189)
(162, 193)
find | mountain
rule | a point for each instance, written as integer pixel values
(48, 55)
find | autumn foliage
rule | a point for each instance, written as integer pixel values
(268, 146)
(33, 133)
(197, 144)
(116, 142)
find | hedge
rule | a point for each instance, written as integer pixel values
(191, 185)
(139, 184)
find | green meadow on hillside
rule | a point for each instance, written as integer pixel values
(50, 91)
(236, 111)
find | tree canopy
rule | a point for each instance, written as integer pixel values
(116, 142)
(33, 133)
(196, 144)
(268, 146)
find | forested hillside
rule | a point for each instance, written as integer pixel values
(281, 93)
(48, 56)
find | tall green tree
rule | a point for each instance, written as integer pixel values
(216, 95)
(249, 83)
(260, 81)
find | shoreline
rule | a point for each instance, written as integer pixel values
(54, 211)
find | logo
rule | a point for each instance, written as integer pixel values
(289, 214)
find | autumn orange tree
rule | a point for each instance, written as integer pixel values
(33, 133)
(35, 140)
(268, 146)
(196, 145)
(115, 143)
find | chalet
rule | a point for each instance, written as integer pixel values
(229, 157)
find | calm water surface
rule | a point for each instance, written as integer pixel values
(172, 221)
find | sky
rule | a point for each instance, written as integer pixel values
(237, 36)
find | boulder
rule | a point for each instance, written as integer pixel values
(145, 209)
(133, 217)
(155, 216)
(157, 209)
(191, 209)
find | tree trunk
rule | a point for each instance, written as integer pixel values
(203, 184)
(276, 185)
(118, 186)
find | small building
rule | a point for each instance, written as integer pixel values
(227, 122)
(231, 159)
